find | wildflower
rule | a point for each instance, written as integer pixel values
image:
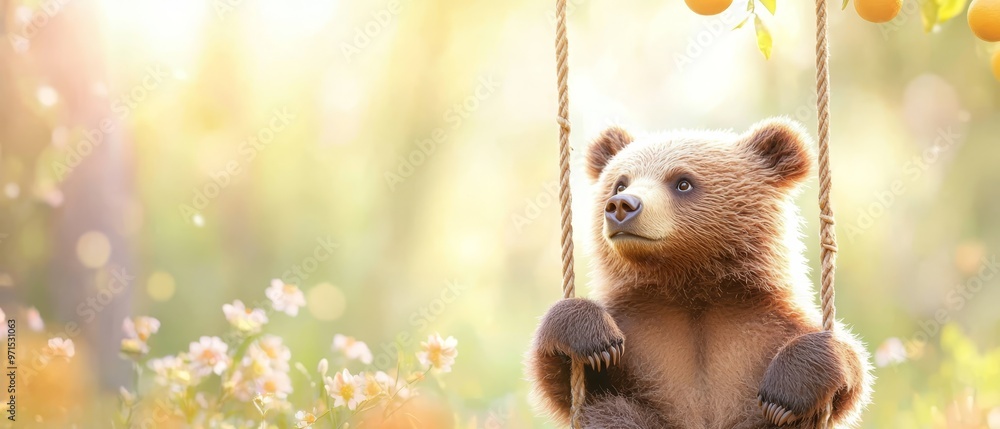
(285, 297)
(375, 385)
(241, 384)
(304, 419)
(352, 348)
(346, 389)
(244, 319)
(262, 402)
(393, 387)
(271, 351)
(891, 352)
(323, 367)
(60, 347)
(128, 398)
(208, 355)
(438, 353)
(35, 322)
(137, 332)
(275, 384)
(134, 347)
(140, 328)
(173, 372)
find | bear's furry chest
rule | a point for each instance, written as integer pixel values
(702, 367)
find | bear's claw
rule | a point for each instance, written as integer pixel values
(605, 358)
(776, 414)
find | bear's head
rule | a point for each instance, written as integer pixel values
(697, 204)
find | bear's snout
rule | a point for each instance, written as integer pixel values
(621, 209)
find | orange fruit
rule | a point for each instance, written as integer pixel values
(708, 7)
(878, 11)
(984, 19)
(996, 63)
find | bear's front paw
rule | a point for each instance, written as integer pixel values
(801, 381)
(581, 329)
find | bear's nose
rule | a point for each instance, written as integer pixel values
(621, 208)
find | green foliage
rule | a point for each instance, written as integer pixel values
(953, 384)
(764, 39)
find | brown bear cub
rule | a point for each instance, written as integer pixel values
(704, 316)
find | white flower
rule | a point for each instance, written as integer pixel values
(60, 347)
(262, 402)
(128, 398)
(438, 353)
(271, 351)
(208, 355)
(172, 371)
(304, 419)
(285, 297)
(274, 383)
(322, 367)
(393, 387)
(891, 352)
(140, 328)
(242, 386)
(346, 389)
(35, 322)
(352, 348)
(245, 319)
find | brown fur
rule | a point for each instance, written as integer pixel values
(709, 297)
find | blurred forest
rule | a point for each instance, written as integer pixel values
(397, 161)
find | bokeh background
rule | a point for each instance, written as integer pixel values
(415, 142)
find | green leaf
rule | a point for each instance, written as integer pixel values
(929, 14)
(764, 40)
(743, 22)
(948, 9)
(770, 5)
(844, 6)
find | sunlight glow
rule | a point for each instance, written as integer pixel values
(167, 27)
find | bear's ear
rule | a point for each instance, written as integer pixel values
(782, 148)
(603, 148)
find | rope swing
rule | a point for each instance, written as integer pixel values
(828, 237)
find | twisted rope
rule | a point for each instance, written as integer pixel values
(827, 234)
(828, 237)
(577, 383)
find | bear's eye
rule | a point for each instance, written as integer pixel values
(684, 185)
(620, 188)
